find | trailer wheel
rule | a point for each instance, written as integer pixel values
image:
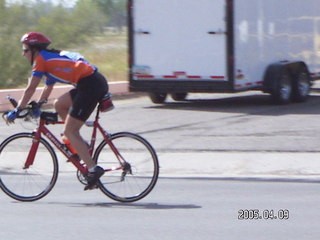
(282, 86)
(157, 97)
(301, 84)
(179, 96)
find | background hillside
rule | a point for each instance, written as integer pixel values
(95, 28)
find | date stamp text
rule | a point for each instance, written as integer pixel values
(267, 214)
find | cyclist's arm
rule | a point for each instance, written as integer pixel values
(29, 91)
(46, 92)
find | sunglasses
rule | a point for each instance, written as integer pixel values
(25, 50)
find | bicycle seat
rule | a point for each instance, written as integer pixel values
(106, 104)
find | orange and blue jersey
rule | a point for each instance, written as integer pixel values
(63, 67)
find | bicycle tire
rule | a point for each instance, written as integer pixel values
(27, 184)
(143, 159)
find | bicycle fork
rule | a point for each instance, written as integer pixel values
(33, 150)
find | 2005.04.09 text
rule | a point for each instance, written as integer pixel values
(256, 214)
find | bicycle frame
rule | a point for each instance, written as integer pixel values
(73, 158)
(126, 181)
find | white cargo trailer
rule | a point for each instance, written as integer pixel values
(182, 46)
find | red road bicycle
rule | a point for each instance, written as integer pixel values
(29, 165)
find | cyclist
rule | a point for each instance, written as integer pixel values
(75, 106)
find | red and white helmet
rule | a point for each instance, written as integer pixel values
(35, 38)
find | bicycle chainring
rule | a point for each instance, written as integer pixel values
(81, 178)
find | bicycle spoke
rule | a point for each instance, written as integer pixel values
(139, 174)
(34, 182)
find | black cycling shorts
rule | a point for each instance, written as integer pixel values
(89, 91)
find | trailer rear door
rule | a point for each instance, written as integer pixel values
(179, 39)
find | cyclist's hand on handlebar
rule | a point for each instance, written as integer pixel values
(11, 116)
(32, 110)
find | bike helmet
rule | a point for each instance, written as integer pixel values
(35, 39)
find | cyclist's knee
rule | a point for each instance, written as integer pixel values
(56, 104)
(63, 102)
(60, 105)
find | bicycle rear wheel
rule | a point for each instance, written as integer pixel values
(140, 157)
(34, 182)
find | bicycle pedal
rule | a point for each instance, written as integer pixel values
(95, 186)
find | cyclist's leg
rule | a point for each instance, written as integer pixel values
(72, 132)
(63, 103)
(88, 92)
(72, 124)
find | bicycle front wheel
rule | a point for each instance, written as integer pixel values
(34, 182)
(140, 174)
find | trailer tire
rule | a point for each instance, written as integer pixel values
(301, 84)
(157, 97)
(278, 82)
(179, 96)
(282, 91)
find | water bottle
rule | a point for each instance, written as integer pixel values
(68, 145)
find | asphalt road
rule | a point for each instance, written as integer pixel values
(200, 209)
(208, 148)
